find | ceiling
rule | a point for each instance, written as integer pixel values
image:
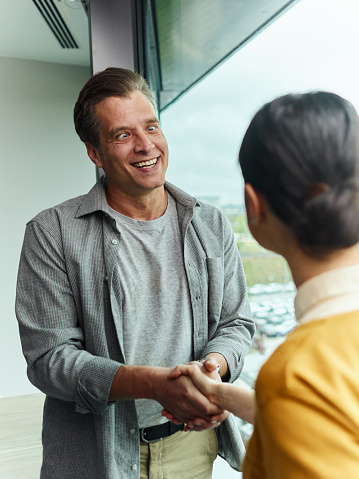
(25, 34)
(194, 36)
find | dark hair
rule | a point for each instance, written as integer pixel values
(302, 153)
(112, 82)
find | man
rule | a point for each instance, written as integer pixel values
(117, 287)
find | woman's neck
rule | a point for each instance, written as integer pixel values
(305, 267)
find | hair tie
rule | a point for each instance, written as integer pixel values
(314, 190)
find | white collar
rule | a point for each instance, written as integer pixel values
(328, 294)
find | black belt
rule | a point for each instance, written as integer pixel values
(156, 433)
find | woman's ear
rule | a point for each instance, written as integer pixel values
(93, 154)
(256, 205)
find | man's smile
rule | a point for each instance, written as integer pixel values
(145, 164)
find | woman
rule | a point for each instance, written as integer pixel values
(300, 163)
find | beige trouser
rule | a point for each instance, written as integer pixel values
(184, 455)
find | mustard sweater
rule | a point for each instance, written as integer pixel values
(307, 393)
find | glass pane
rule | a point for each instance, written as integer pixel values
(204, 129)
(196, 35)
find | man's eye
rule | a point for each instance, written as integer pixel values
(122, 136)
(152, 128)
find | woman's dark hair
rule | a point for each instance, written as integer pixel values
(112, 82)
(301, 151)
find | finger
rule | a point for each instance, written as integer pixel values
(211, 368)
(205, 408)
(175, 373)
(200, 424)
(219, 417)
(184, 370)
(167, 414)
(170, 417)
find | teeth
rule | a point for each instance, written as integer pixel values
(146, 164)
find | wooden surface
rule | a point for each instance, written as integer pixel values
(20, 436)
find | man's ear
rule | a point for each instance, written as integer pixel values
(93, 154)
(256, 205)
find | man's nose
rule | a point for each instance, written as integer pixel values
(143, 143)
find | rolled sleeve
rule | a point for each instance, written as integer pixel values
(53, 340)
(94, 384)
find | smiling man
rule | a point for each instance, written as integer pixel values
(133, 151)
(117, 287)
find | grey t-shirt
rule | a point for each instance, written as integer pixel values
(157, 324)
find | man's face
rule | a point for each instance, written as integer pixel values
(133, 150)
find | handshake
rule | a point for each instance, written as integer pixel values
(199, 410)
(192, 394)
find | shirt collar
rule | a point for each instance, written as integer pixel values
(328, 294)
(95, 200)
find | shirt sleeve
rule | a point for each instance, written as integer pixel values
(52, 340)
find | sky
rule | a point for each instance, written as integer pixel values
(313, 46)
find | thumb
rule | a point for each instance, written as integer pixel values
(210, 364)
(175, 373)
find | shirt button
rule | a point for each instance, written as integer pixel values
(132, 431)
(134, 467)
(114, 241)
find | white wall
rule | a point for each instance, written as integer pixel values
(42, 163)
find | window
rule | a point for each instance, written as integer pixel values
(309, 48)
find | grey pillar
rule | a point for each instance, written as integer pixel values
(113, 34)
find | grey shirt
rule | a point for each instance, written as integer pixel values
(155, 302)
(68, 308)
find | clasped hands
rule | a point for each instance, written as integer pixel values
(192, 387)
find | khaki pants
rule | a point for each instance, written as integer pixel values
(185, 455)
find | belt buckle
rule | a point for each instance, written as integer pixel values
(146, 440)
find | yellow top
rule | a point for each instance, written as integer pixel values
(307, 419)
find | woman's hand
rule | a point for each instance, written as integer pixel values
(204, 375)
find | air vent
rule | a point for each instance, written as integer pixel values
(56, 23)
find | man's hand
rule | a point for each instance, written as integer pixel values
(204, 376)
(240, 400)
(178, 394)
(185, 401)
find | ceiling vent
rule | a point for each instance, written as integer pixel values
(56, 23)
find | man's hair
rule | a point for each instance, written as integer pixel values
(112, 82)
(302, 153)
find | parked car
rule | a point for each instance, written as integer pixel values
(273, 330)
